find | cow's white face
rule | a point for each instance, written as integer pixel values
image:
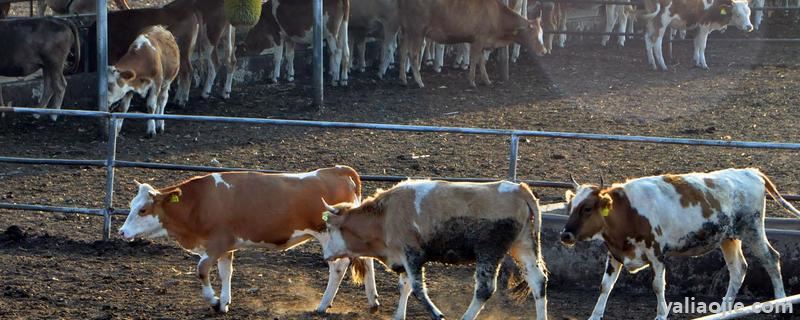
(142, 221)
(336, 247)
(118, 84)
(740, 15)
(585, 208)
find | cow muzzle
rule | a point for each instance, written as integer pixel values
(568, 238)
(125, 235)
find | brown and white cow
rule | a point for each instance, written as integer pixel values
(485, 24)
(296, 24)
(149, 67)
(643, 220)
(369, 17)
(265, 38)
(216, 31)
(214, 215)
(418, 221)
(705, 16)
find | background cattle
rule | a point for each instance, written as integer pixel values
(644, 220)
(452, 21)
(40, 43)
(373, 18)
(418, 221)
(76, 6)
(214, 215)
(215, 31)
(265, 37)
(149, 67)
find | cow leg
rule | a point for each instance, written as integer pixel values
(659, 285)
(415, 272)
(658, 45)
(482, 64)
(611, 19)
(370, 287)
(439, 58)
(277, 59)
(535, 275)
(758, 16)
(230, 59)
(610, 277)
(336, 271)
(476, 57)
(59, 87)
(335, 58)
(466, 54)
(700, 47)
(289, 61)
(125, 104)
(404, 285)
(768, 257)
(163, 97)
(649, 38)
(362, 55)
(225, 269)
(485, 286)
(344, 54)
(562, 26)
(207, 55)
(47, 92)
(416, 60)
(622, 24)
(152, 108)
(737, 268)
(405, 50)
(203, 270)
(389, 38)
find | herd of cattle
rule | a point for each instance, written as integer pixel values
(423, 28)
(641, 221)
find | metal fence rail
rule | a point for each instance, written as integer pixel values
(110, 162)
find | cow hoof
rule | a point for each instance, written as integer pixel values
(218, 307)
(53, 117)
(226, 95)
(150, 135)
(374, 309)
(437, 69)
(362, 70)
(205, 96)
(274, 81)
(290, 79)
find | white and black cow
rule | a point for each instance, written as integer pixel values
(421, 220)
(643, 220)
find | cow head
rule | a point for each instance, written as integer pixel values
(353, 229)
(143, 219)
(122, 81)
(739, 13)
(531, 36)
(586, 207)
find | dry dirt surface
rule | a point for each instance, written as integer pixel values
(52, 267)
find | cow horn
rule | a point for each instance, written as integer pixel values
(137, 182)
(328, 207)
(575, 184)
(602, 182)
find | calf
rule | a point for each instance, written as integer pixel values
(296, 27)
(420, 221)
(149, 67)
(264, 38)
(368, 17)
(643, 220)
(485, 24)
(214, 215)
(179, 17)
(690, 14)
(40, 43)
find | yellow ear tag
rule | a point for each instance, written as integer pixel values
(325, 216)
(605, 211)
(723, 11)
(174, 199)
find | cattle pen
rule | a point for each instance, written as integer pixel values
(158, 277)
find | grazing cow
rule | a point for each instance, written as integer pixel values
(368, 17)
(179, 17)
(421, 220)
(296, 27)
(40, 43)
(690, 14)
(149, 67)
(76, 6)
(214, 215)
(643, 220)
(265, 38)
(485, 24)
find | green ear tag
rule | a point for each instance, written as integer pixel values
(325, 216)
(605, 211)
(723, 11)
(174, 198)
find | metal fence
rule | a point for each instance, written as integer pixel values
(110, 162)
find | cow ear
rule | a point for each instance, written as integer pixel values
(173, 196)
(569, 195)
(724, 9)
(127, 75)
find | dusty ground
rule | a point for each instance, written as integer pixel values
(56, 270)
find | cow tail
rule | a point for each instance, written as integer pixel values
(773, 192)
(354, 178)
(76, 46)
(650, 15)
(358, 268)
(519, 288)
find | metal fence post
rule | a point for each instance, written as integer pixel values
(111, 158)
(512, 159)
(102, 61)
(317, 54)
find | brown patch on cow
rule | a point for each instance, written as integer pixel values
(624, 222)
(709, 183)
(692, 196)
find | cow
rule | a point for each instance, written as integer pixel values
(690, 14)
(76, 6)
(149, 67)
(644, 220)
(40, 43)
(455, 21)
(265, 38)
(179, 17)
(368, 17)
(554, 18)
(623, 17)
(418, 221)
(214, 215)
(296, 28)
(216, 31)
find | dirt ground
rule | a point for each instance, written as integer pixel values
(55, 268)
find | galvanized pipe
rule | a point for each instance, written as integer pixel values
(36, 207)
(111, 156)
(317, 81)
(102, 59)
(66, 162)
(513, 153)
